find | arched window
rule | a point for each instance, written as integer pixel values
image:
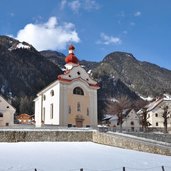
(69, 109)
(78, 90)
(78, 107)
(1, 115)
(52, 92)
(44, 97)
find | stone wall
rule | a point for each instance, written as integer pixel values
(133, 143)
(37, 136)
(112, 139)
(153, 136)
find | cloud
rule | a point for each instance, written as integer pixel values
(138, 13)
(49, 35)
(106, 40)
(91, 4)
(63, 4)
(76, 5)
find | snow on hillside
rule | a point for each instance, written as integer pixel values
(71, 156)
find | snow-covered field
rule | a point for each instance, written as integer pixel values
(71, 156)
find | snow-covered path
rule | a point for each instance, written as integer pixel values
(71, 156)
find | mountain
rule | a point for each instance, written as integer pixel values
(141, 77)
(23, 70)
(59, 59)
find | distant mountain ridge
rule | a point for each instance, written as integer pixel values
(24, 72)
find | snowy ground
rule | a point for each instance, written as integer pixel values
(71, 156)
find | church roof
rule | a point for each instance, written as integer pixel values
(71, 58)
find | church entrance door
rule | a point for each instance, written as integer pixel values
(79, 121)
(79, 124)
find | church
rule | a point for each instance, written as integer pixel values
(69, 101)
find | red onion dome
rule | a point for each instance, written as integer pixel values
(71, 58)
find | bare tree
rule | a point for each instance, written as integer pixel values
(144, 119)
(165, 116)
(122, 104)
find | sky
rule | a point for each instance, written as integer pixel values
(95, 27)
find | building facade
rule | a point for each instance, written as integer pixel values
(155, 113)
(7, 112)
(69, 101)
(131, 122)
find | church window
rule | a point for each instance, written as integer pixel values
(156, 114)
(51, 111)
(1, 115)
(69, 109)
(157, 124)
(44, 97)
(78, 107)
(52, 92)
(78, 91)
(87, 111)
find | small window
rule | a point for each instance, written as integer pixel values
(44, 97)
(69, 109)
(157, 124)
(78, 107)
(51, 111)
(43, 114)
(1, 115)
(87, 111)
(52, 92)
(78, 73)
(78, 91)
(132, 123)
(156, 115)
(69, 76)
(7, 107)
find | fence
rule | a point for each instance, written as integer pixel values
(161, 168)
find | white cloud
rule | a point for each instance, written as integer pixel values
(49, 35)
(106, 40)
(63, 4)
(76, 5)
(138, 13)
(91, 4)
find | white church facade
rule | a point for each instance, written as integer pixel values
(69, 101)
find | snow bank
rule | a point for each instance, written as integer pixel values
(67, 156)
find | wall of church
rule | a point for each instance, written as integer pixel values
(80, 107)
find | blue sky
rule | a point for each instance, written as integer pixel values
(95, 27)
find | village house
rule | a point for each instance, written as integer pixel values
(7, 112)
(24, 118)
(71, 100)
(155, 111)
(131, 121)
